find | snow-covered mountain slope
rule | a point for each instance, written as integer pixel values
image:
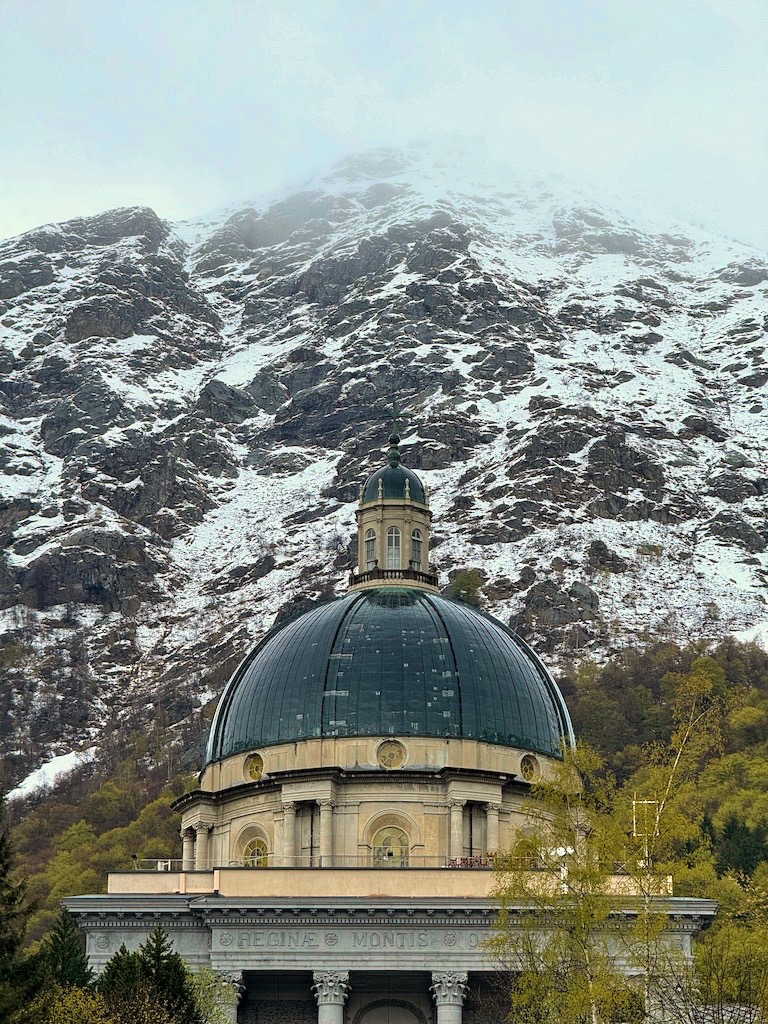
(188, 410)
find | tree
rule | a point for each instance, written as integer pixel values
(589, 928)
(21, 974)
(76, 1006)
(168, 977)
(213, 996)
(150, 986)
(65, 955)
(121, 978)
(466, 585)
(557, 928)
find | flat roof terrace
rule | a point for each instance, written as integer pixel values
(329, 882)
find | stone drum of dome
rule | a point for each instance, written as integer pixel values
(391, 661)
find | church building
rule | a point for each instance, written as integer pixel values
(366, 761)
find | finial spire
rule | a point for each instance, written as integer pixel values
(393, 455)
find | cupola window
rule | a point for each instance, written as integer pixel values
(390, 848)
(255, 854)
(393, 548)
(416, 548)
(370, 550)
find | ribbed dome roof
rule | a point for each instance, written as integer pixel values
(390, 661)
(393, 485)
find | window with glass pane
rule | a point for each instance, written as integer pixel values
(393, 548)
(370, 550)
(390, 848)
(416, 543)
(255, 854)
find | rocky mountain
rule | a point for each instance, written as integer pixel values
(186, 412)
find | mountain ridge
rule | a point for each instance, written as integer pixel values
(188, 411)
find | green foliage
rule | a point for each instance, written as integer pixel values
(625, 704)
(151, 985)
(79, 858)
(213, 996)
(11, 654)
(563, 866)
(121, 978)
(465, 586)
(21, 973)
(64, 954)
(72, 1006)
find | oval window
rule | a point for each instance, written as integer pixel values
(254, 767)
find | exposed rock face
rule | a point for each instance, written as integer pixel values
(186, 414)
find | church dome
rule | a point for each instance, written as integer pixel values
(393, 485)
(391, 661)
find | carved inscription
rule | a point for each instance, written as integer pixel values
(293, 939)
(345, 940)
(389, 940)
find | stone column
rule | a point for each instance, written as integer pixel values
(232, 992)
(492, 827)
(457, 828)
(201, 847)
(449, 989)
(326, 833)
(331, 989)
(289, 834)
(188, 849)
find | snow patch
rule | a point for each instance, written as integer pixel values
(48, 774)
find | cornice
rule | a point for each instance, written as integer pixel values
(368, 775)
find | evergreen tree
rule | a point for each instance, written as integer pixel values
(169, 977)
(21, 974)
(65, 954)
(151, 985)
(122, 977)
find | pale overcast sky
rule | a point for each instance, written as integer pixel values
(186, 106)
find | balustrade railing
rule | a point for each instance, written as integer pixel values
(371, 860)
(379, 575)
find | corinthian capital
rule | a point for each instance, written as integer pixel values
(331, 986)
(449, 987)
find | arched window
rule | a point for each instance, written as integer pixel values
(416, 546)
(393, 548)
(370, 550)
(255, 854)
(390, 848)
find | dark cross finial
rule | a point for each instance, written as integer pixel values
(395, 414)
(393, 455)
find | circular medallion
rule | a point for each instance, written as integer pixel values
(391, 754)
(254, 767)
(529, 767)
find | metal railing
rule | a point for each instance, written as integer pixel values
(370, 860)
(377, 575)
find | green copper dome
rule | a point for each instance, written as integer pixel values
(391, 661)
(393, 485)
